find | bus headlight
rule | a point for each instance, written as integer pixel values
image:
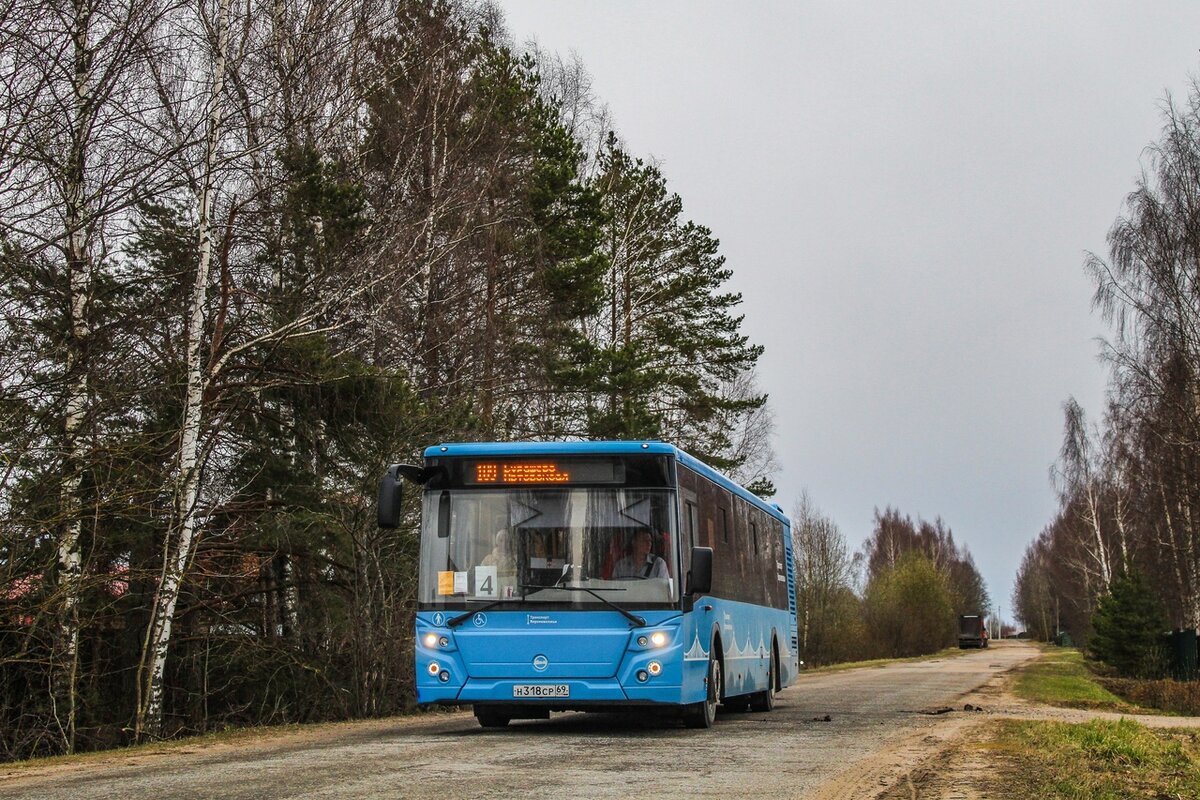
(658, 638)
(431, 640)
(444, 676)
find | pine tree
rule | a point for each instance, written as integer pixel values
(668, 339)
(1127, 628)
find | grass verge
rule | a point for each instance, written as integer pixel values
(1061, 678)
(1098, 760)
(949, 652)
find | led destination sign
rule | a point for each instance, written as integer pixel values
(545, 472)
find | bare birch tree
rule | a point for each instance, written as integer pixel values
(79, 148)
(1077, 474)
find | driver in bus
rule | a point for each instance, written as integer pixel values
(641, 562)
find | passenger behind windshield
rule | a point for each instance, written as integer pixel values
(500, 557)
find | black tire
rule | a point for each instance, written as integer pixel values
(491, 717)
(765, 700)
(736, 704)
(704, 713)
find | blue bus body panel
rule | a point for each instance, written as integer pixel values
(594, 652)
(548, 448)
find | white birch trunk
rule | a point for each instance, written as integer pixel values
(1102, 556)
(1190, 595)
(79, 271)
(181, 538)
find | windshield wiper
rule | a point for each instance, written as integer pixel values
(634, 618)
(454, 622)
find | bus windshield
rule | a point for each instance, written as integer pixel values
(543, 546)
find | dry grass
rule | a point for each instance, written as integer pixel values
(1171, 696)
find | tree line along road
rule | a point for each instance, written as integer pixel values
(790, 752)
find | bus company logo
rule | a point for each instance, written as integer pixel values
(540, 663)
(540, 619)
(438, 619)
(479, 620)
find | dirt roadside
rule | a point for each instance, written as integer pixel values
(949, 762)
(243, 743)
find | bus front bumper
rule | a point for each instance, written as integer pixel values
(578, 693)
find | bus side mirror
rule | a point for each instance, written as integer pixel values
(700, 575)
(390, 494)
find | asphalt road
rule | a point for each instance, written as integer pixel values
(789, 752)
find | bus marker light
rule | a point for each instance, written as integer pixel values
(654, 667)
(659, 638)
(434, 668)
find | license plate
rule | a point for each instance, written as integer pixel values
(542, 690)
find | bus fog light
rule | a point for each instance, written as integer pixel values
(654, 667)
(430, 639)
(434, 668)
(443, 676)
(658, 638)
(641, 640)
(642, 676)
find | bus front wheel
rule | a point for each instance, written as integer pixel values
(704, 713)
(491, 717)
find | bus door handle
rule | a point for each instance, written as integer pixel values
(708, 608)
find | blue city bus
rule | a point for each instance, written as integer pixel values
(593, 576)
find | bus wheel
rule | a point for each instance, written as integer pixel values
(491, 717)
(704, 713)
(765, 700)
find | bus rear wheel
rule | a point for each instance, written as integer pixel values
(491, 717)
(704, 713)
(765, 700)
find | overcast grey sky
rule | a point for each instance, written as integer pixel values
(905, 192)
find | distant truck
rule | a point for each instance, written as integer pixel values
(971, 631)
